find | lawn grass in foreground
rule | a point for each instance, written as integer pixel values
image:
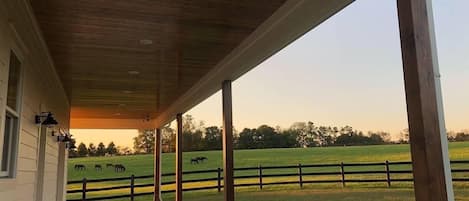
(346, 194)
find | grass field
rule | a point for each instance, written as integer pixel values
(143, 165)
(348, 194)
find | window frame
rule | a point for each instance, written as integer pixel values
(11, 143)
(14, 132)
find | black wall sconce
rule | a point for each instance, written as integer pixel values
(46, 119)
(65, 137)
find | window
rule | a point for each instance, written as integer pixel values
(13, 83)
(10, 132)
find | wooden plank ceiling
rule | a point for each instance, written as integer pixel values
(121, 59)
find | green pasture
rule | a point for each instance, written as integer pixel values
(143, 165)
(347, 194)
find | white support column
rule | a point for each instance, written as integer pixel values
(62, 172)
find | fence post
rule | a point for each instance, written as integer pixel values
(83, 192)
(300, 173)
(342, 173)
(388, 175)
(260, 177)
(219, 180)
(132, 183)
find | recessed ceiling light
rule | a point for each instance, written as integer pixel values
(133, 72)
(146, 42)
(127, 92)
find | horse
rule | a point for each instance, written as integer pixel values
(109, 165)
(194, 161)
(202, 158)
(198, 159)
(119, 168)
(79, 167)
(98, 167)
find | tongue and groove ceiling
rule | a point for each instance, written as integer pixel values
(131, 59)
(136, 64)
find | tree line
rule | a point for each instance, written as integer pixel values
(198, 137)
(101, 150)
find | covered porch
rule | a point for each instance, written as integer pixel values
(142, 64)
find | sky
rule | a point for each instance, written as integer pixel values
(346, 71)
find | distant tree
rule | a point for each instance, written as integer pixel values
(461, 136)
(111, 149)
(119, 150)
(380, 137)
(82, 151)
(91, 150)
(247, 139)
(385, 136)
(350, 137)
(213, 138)
(192, 141)
(451, 136)
(404, 136)
(101, 150)
(375, 139)
(325, 136)
(125, 151)
(306, 133)
(144, 142)
(289, 138)
(192, 134)
(168, 139)
(190, 125)
(267, 137)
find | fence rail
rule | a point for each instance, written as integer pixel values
(300, 173)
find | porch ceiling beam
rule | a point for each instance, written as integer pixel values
(428, 139)
(288, 23)
(100, 123)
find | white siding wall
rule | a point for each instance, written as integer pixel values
(41, 92)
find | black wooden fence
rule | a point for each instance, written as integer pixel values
(300, 173)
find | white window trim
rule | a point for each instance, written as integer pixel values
(14, 132)
(14, 139)
(12, 112)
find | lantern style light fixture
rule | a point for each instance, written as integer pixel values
(46, 119)
(64, 136)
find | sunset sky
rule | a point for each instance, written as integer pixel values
(347, 71)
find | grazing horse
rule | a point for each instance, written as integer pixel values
(198, 159)
(194, 161)
(119, 168)
(202, 158)
(79, 167)
(109, 165)
(98, 167)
